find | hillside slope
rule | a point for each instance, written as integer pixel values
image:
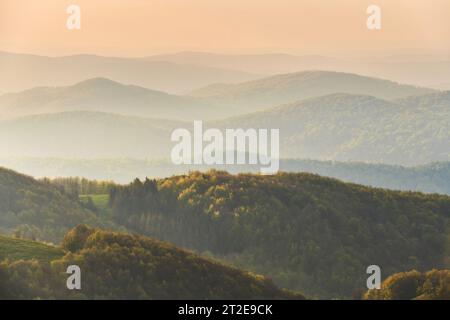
(280, 89)
(312, 234)
(121, 266)
(104, 95)
(38, 210)
(431, 178)
(402, 68)
(363, 128)
(339, 127)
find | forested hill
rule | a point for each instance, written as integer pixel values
(414, 285)
(431, 178)
(38, 210)
(308, 233)
(312, 234)
(121, 266)
(286, 88)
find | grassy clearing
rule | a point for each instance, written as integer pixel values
(17, 249)
(99, 200)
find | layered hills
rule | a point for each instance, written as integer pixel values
(121, 266)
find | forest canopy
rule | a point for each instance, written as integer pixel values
(414, 285)
(122, 266)
(309, 233)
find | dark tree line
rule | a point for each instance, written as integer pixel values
(76, 186)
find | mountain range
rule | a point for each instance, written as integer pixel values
(343, 127)
(26, 71)
(104, 95)
(110, 118)
(268, 92)
(363, 128)
(212, 102)
(423, 70)
(185, 71)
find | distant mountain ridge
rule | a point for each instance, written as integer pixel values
(104, 95)
(264, 93)
(25, 71)
(428, 71)
(340, 127)
(362, 128)
(185, 71)
(270, 63)
(213, 102)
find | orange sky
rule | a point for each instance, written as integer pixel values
(145, 27)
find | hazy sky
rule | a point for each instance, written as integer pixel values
(145, 27)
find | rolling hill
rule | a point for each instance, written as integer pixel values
(264, 93)
(338, 127)
(24, 71)
(120, 266)
(37, 210)
(429, 71)
(309, 233)
(363, 128)
(432, 178)
(104, 95)
(213, 102)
